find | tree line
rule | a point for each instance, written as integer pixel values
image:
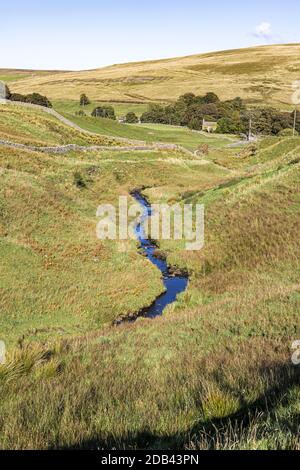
(232, 116)
(105, 111)
(32, 98)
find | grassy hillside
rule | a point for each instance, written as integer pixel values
(260, 75)
(13, 75)
(35, 127)
(215, 371)
(150, 132)
(49, 244)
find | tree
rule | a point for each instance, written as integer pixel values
(195, 124)
(155, 113)
(107, 112)
(235, 104)
(210, 98)
(232, 115)
(131, 118)
(228, 125)
(269, 121)
(7, 93)
(34, 98)
(210, 111)
(84, 101)
(187, 99)
(17, 97)
(173, 115)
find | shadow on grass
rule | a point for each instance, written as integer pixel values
(281, 378)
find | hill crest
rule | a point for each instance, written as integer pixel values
(261, 75)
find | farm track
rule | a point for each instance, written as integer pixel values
(132, 144)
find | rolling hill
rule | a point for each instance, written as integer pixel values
(261, 74)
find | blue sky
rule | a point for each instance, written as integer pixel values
(74, 35)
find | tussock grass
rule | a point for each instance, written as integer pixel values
(21, 362)
(217, 404)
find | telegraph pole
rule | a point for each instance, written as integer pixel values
(250, 129)
(295, 121)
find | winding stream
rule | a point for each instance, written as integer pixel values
(174, 283)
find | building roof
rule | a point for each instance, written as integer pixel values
(210, 123)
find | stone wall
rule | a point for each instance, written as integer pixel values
(131, 144)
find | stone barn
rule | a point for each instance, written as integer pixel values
(209, 126)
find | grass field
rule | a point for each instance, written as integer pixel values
(261, 75)
(215, 371)
(121, 109)
(146, 132)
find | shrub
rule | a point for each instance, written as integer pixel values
(17, 97)
(210, 98)
(107, 112)
(79, 180)
(131, 118)
(228, 125)
(156, 114)
(195, 124)
(288, 132)
(34, 98)
(249, 151)
(203, 149)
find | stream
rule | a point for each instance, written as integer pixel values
(174, 283)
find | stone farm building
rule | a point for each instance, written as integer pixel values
(209, 126)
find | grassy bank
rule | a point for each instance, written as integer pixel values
(49, 244)
(215, 371)
(35, 127)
